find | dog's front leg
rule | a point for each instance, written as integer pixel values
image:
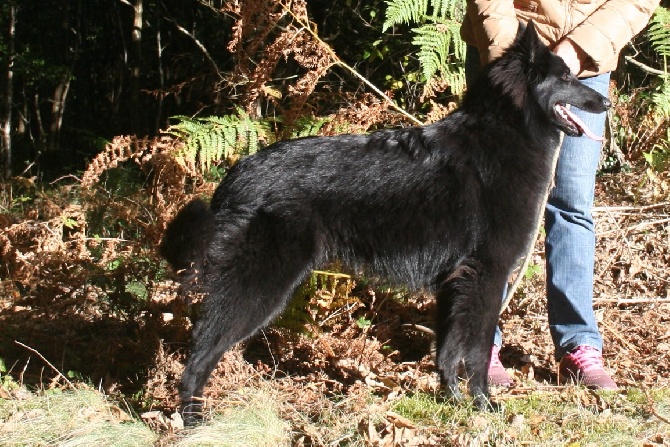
(468, 302)
(452, 325)
(449, 351)
(484, 310)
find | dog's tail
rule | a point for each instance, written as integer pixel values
(187, 237)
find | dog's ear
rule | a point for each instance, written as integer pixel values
(521, 30)
(534, 48)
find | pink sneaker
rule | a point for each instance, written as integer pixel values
(584, 365)
(497, 374)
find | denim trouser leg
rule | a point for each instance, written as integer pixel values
(570, 240)
(570, 235)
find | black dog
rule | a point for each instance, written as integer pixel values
(450, 207)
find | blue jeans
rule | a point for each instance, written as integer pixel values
(570, 240)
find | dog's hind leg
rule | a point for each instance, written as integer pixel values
(465, 326)
(250, 278)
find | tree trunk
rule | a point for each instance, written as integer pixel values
(135, 65)
(63, 88)
(9, 98)
(57, 111)
(161, 75)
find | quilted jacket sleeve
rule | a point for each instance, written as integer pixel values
(605, 32)
(601, 28)
(494, 26)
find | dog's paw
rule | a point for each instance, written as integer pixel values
(192, 414)
(451, 394)
(484, 403)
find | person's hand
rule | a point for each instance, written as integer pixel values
(571, 54)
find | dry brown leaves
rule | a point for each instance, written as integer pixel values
(158, 155)
(45, 244)
(268, 32)
(394, 431)
(634, 254)
(363, 114)
(79, 268)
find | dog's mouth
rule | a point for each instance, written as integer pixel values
(572, 125)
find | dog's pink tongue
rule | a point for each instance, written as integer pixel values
(584, 128)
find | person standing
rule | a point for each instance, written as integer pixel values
(588, 35)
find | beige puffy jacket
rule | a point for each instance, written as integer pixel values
(600, 28)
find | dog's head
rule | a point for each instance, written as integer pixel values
(548, 82)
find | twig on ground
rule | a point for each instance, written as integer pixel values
(620, 337)
(611, 209)
(419, 328)
(653, 410)
(628, 301)
(623, 234)
(47, 362)
(638, 226)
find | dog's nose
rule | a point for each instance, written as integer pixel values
(607, 103)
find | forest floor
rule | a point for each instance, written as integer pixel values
(350, 364)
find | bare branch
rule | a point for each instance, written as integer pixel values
(646, 68)
(631, 301)
(198, 44)
(609, 209)
(638, 226)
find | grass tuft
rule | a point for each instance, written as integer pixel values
(574, 415)
(69, 419)
(256, 422)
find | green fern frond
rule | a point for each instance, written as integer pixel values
(455, 78)
(405, 11)
(307, 126)
(211, 139)
(448, 9)
(417, 11)
(658, 34)
(661, 98)
(659, 31)
(437, 44)
(441, 51)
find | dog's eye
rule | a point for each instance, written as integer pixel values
(566, 77)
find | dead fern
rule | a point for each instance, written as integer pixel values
(131, 147)
(268, 32)
(362, 115)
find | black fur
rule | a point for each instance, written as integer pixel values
(449, 207)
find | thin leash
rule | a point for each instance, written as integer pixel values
(538, 224)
